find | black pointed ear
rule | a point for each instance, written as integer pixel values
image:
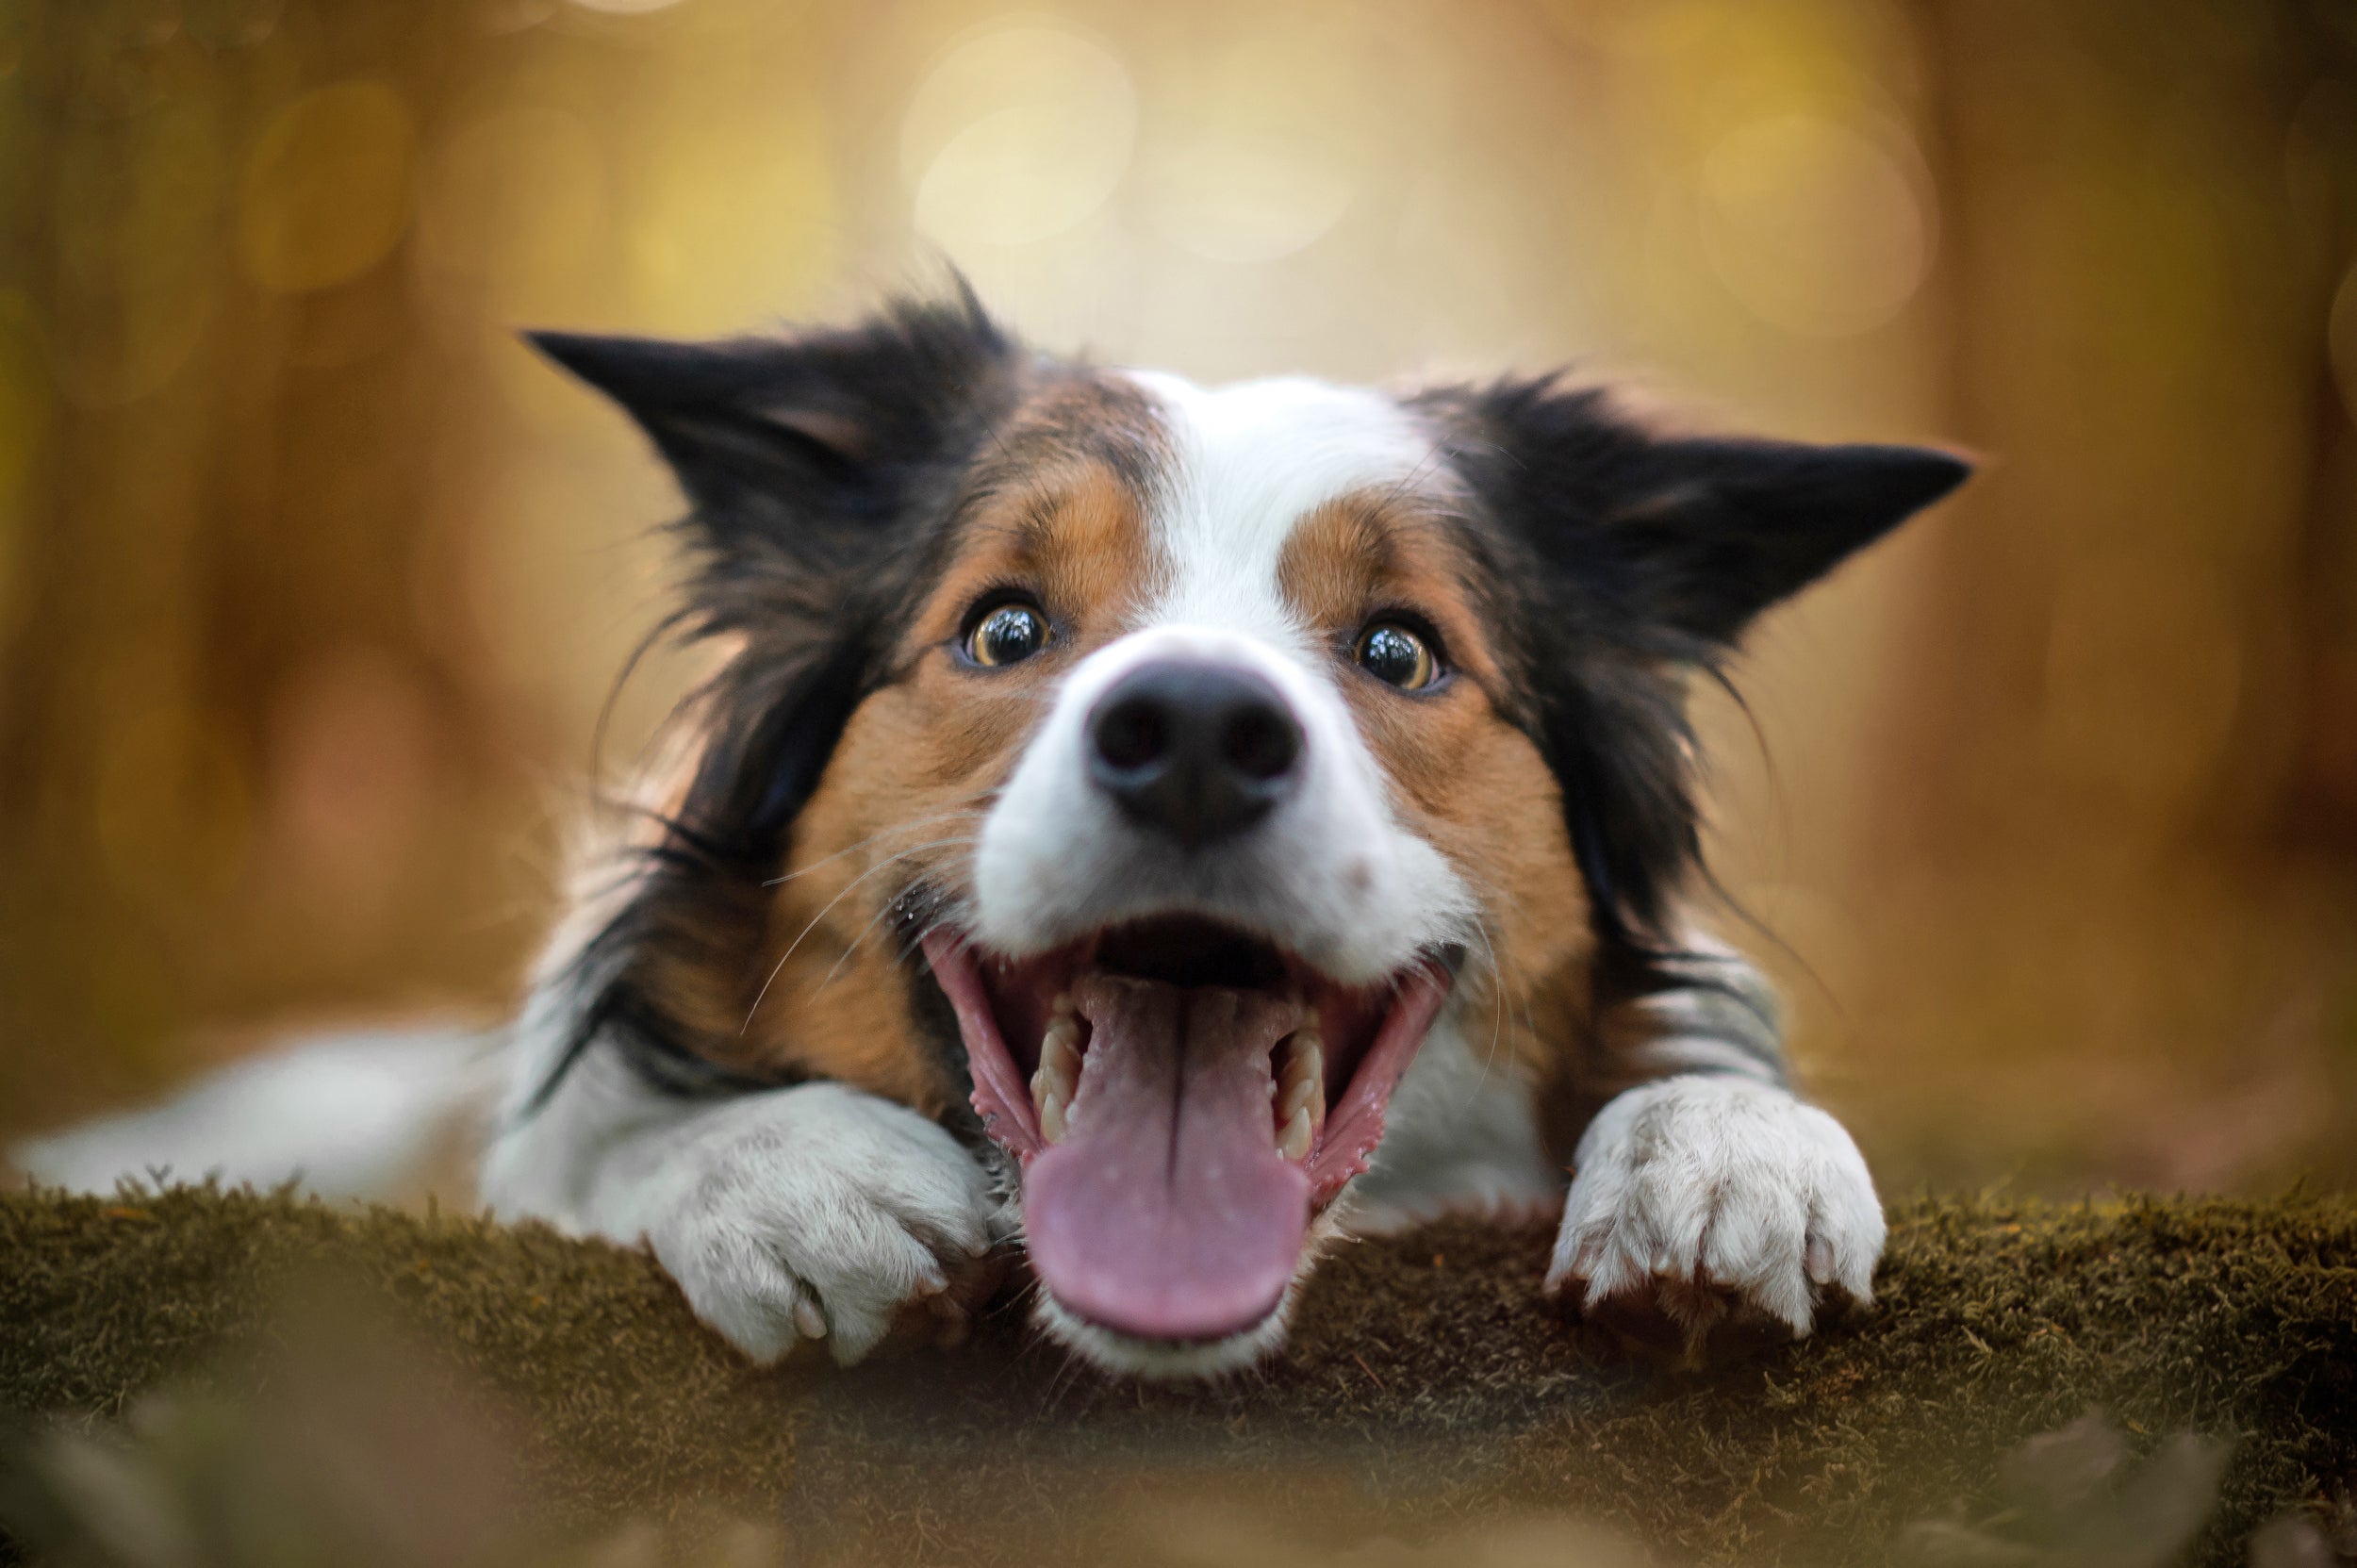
(1625, 558)
(1694, 536)
(1710, 533)
(779, 441)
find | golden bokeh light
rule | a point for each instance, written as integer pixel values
(713, 242)
(2341, 333)
(25, 405)
(1260, 155)
(325, 192)
(137, 203)
(230, 24)
(1016, 137)
(171, 808)
(1242, 201)
(2144, 672)
(521, 200)
(1813, 225)
(353, 776)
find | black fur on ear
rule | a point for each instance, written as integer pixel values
(812, 464)
(784, 444)
(819, 468)
(1634, 561)
(1687, 537)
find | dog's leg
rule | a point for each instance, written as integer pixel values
(817, 1212)
(1704, 1187)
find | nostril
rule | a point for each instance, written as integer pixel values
(1260, 743)
(1193, 752)
(1132, 734)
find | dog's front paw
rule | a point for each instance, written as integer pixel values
(818, 1213)
(1701, 1199)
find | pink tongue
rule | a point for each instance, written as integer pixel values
(1166, 1212)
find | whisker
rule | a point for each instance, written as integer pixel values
(848, 952)
(1497, 1000)
(1529, 1025)
(884, 832)
(1424, 464)
(882, 865)
(908, 948)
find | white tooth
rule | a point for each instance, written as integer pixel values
(1051, 1095)
(1056, 1094)
(1062, 1006)
(1294, 1142)
(1059, 1057)
(1304, 1079)
(1059, 1075)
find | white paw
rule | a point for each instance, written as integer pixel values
(816, 1213)
(1707, 1194)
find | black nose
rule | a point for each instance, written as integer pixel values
(1194, 750)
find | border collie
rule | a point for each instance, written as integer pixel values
(1162, 829)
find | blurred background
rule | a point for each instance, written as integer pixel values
(313, 581)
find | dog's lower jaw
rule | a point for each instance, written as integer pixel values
(1158, 1361)
(1121, 1355)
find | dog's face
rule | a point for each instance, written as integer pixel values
(1136, 773)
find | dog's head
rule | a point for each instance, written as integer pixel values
(1133, 773)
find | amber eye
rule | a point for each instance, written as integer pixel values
(1396, 656)
(1008, 635)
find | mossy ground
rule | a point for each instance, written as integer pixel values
(559, 1390)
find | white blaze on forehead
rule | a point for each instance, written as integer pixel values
(1332, 875)
(1251, 462)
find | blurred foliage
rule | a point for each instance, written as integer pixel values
(313, 581)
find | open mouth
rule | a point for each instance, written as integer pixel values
(1183, 1097)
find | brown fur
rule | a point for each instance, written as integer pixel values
(1062, 518)
(1468, 781)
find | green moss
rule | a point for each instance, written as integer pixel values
(1428, 1389)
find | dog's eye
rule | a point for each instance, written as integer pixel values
(1008, 635)
(1396, 656)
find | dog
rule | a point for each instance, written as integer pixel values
(1155, 830)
